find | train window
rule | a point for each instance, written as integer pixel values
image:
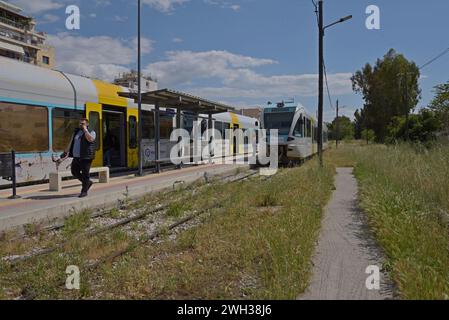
(309, 128)
(299, 128)
(226, 128)
(23, 128)
(94, 124)
(64, 123)
(245, 137)
(187, 122)
(166, 123)
(147, 125)
(132, 134)
(219, 130)
(204, 125)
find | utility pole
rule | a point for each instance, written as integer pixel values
(320, 80)
(139, 92)
(321, 30)
(337, 124)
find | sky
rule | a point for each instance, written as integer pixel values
(246, 52)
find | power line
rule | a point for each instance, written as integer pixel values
(327, 87)
(434, 59)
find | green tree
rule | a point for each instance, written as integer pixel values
(368, 135)
(359, 123)
(390, 88)
(440, 105)
(422, 127)
(345, 128)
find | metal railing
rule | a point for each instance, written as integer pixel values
(13, 23)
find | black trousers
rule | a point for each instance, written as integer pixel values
(81, 170)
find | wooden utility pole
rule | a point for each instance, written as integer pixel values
(320, 81)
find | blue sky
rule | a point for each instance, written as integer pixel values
(246, 52)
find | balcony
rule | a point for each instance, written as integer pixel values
(15, 24)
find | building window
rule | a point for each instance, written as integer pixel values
(23, 128)
(64, 123)
(46, 60)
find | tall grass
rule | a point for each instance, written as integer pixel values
(404, 190)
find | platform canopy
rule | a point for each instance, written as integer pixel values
(167, 98)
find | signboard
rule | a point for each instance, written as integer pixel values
(6, 165)
(280, 110)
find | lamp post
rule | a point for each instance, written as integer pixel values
(139, 92)
(321, 30)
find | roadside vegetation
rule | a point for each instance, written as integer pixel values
(404, 190)
(255, 242)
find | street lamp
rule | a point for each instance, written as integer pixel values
(139, 92)
(321, 29)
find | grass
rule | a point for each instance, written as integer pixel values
(256, 244)
(241, 250)
(405, 192)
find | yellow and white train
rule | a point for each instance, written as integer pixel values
(39, 109)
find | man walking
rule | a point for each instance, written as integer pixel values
(82, 150)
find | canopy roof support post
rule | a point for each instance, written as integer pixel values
(179, 126)
(157, 138)
(210, 135)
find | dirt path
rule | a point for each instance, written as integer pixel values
(345, 250)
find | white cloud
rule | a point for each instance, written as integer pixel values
(168, 6)
(118, 18)
(164, 5)
(235, 7)
(225, 4)
(99, 57)
(236, 78)
(37, 6)
(177, 40)
(49, 18)
(183, 66)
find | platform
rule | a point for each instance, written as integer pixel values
(39, 205)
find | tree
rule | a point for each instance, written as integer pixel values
(368, 135)
(440, 105)
(345, 128)
(359, 123)
(390, 89)
(422, 127)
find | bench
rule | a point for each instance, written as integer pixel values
(56, 177)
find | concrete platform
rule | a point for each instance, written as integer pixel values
(39, 205)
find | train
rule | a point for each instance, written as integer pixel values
(40, 108)
(297, 131)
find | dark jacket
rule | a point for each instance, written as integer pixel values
(87, 150)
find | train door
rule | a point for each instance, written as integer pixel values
(114, 138)
(236, 140)
(94, 114)
(133, 152)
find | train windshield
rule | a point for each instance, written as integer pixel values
(281, 121)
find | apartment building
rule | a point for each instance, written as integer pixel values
(19, 39)
(129, 80)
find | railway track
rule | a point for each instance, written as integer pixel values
(28, 294)
(121, 223)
